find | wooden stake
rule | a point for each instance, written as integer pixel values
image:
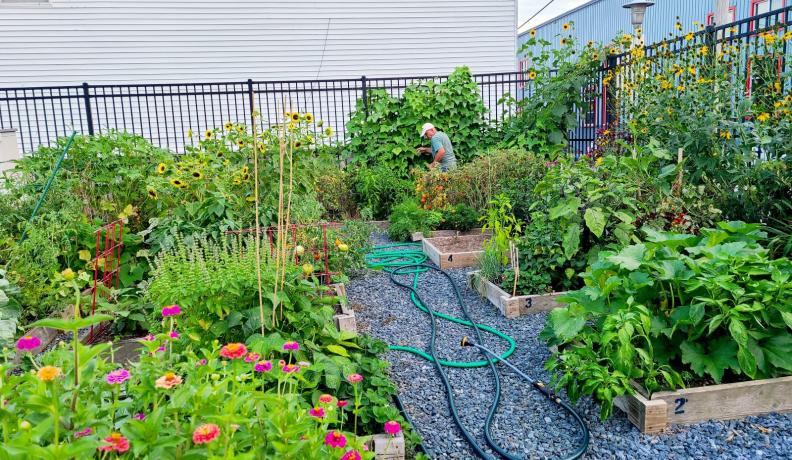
(258, 219)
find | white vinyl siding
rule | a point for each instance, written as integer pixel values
(64, 42)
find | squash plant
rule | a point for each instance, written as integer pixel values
(675, 310)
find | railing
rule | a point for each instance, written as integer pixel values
(166, 113)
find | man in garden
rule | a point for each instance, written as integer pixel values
(441, 150)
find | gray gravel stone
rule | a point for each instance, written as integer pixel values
(526, 424)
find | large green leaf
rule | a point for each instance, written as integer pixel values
(564, 324)
(595, 221)
(778, 351)
(571, 242)
(337, 349)
(570, 206)
(722, 355)
(71, 324)
(629, 258)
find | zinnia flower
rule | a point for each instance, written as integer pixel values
(233, 351)
(148, 338)
(291, 346)
(139, 416)
(326, 399)
(317, 412)
(206, 433)
(342, 404)
(173, 310)
(80, 434)
(116, 442)
(289, 368)
(252, 357)
(281, 363)
(335, 439)
(202, 362)
(354, 378)
(117, 377)
(351, 455)
(263, 366)
(174, 334)
(392, 427)
(28, 342)
(48, 373)
(168, 381)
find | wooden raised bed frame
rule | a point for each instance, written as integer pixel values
(387, 447)
(693, 405)
(513, 307)
(344, 321)
(419, 236)
(438, 252)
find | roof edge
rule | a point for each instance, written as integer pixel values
(573, 10)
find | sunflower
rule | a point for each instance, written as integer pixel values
(241, 129)
(613, 51)
(152, 194)
(595, 56)
(241, 143)
(237, 181)
(228, 126)
(532, 75)
(566, 26)
(678, 26)
(532, 33)
(161, 168)
(178, 183)
(245, 177)
(564, 42)
(329, 131)
(197, 175)
(295, 116)
(590, 43)
(689, 36)
(209, 134)
(703, 51)
(287, 115)
(297, 144)
(763, 117)
(309, 117)
(245, 170)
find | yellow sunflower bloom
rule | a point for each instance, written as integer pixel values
(237, 181)
(241, 129)
(689, 36)
(295, 116)
(532, 75)
(197, 175)
(703, 51)
(287, 115)
(209, 134)
(228, 126)
(532, 33)
(297, 145)
(566, 26)
(152, 194)
(161, 168)
(178, 183)
(725, 134)
(309, 118)
(245, 170)
(564, 42)
(241, 143)
(763, 117)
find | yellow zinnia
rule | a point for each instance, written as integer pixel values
(48, 373)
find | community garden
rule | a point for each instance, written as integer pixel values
(656, 261)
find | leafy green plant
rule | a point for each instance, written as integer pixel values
(460, 217)
(675, 310)
(9, 309)
(505, 228)
(409, 217)
(378, 190)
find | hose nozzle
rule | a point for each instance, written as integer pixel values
(466, 342)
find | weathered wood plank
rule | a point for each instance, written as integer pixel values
(509, 306)
(647, 415)
(419, 236)
(437, 251)
(387, 447)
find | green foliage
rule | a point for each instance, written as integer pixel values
(378, 189)
(505, 227)
(460, 217)
(409, 217)
(389, 133)
(713, 306)
(9, 310)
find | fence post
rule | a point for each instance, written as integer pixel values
(610, 63)
(88, 111)
(710, 40)
(365, 96)
(251, 101)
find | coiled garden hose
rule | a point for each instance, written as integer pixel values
(411, 261)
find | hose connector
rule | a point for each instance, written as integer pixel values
(466, 342)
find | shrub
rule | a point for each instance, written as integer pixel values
(460, 217)
(378, 189)
(409, 217)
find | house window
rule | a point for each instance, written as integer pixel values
(765, 6)
(522, 67)
(764, 79)
(590, 105)
(732, 16)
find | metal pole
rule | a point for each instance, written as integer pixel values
(365, 95)
(88, 112)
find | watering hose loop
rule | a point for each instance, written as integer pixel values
(410, 260)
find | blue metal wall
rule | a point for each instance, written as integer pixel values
(602, 20)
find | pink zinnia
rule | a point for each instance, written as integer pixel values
(139, 416)
(161, 348)
(291, 346)
(117, 377)
(148, 338)
(317, 412)
(289, 368)
(354, 378)
(28, 342)
(326, 399)
(252, 357)
(233, 351)
(173, 310)
(392, 427)
(174, 334)
(206, 433)
(81, 434)
(263, 366)
(281, 363)
(351, 455)
(202, 362)
(342, 404)
(116, 442)
(335, 439)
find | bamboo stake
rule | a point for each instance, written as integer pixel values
(514, 253)
(258, 217)
(279, 244)
(288, 214)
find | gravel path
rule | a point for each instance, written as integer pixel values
(527, 425)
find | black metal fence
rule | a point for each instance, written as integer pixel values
(167, 113)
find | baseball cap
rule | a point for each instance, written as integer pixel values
(426, 127)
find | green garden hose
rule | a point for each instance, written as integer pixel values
(411, 261)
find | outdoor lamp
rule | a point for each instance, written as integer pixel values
(638, 11)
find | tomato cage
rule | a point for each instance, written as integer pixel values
(107, 265)
(311, 237)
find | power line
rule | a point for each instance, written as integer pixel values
(535, 14)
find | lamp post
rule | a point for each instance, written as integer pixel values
(637, 14)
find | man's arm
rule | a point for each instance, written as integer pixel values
(438, 157)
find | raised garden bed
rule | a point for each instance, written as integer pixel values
(454, 251)
(513, 306)
(344, 318)
(419, 236)
(387, 447)
(652, 414)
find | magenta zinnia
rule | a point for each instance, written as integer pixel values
(392, 427)
(83, 433)
(252, 357)
(28, 342)
(289, 368)
(263, 366)
(351, 455)
(317, 412)
(291, 346)
(173, 310)
(335, 439)
(117, 377)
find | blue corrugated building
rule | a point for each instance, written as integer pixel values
(602, 20)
